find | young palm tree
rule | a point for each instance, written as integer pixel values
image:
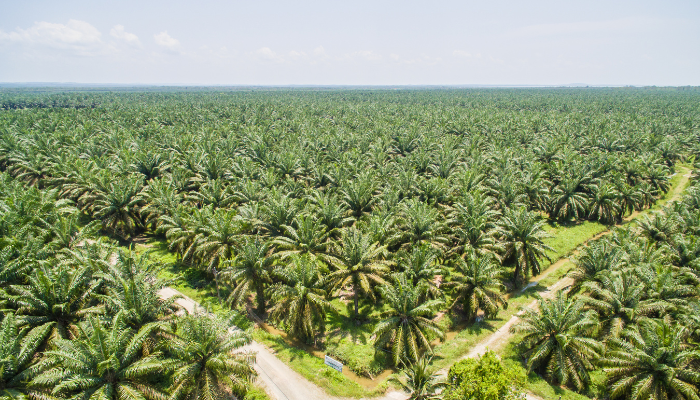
(250, 271)
(420, 381)
(18, 351)
(103, 362)
(300, 299)
(650, 362)
(207, 365)
(406, 327)
(477, 285)
(522, 236)
(558, 340)
(359, 265)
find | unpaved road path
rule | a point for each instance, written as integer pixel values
(278, 379)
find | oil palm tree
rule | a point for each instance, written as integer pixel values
(277, 211)
(629, 199)
(130, 287)
(522, 236)
(558, 341)
(658, 227)
(406, 328)
(652, 361)
(358, 194)
(358, 264)
(300, 298)
(217, 239)
(567, 201)
(618, 300)
(477, 285)
(67, 232)
(250, 271)
(473, 219)
(103, 362)
(58, 297)
(14, 267)
(604, 204)
(18, 350)
(420, 381)
(118, 207)
(422, 266)
(306, 235)
(596, 261)
(421, 224)
(207, 364)
(330, 212)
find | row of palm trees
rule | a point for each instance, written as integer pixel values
(632, 311)
(81, 318)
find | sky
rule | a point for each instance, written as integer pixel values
(498, 42)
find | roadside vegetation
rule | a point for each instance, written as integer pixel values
(383, 228)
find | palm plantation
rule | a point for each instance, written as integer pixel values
(316, 207)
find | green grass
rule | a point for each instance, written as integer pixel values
(351, 343)
(566, 238)
(256, 393)
(188, 281)
(313, 368)
(674, 182)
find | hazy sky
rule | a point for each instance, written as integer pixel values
(351, 42)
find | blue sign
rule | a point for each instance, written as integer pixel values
(337, 365)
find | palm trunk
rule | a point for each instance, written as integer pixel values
(357, 308)
(216, 283)
(260, 298)
(516, 274)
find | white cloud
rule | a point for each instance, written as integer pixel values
(131, 39)
(163, 39)
(367, 55)
(266, 54)
(461, 53)
(77, 36)
(320, 51)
